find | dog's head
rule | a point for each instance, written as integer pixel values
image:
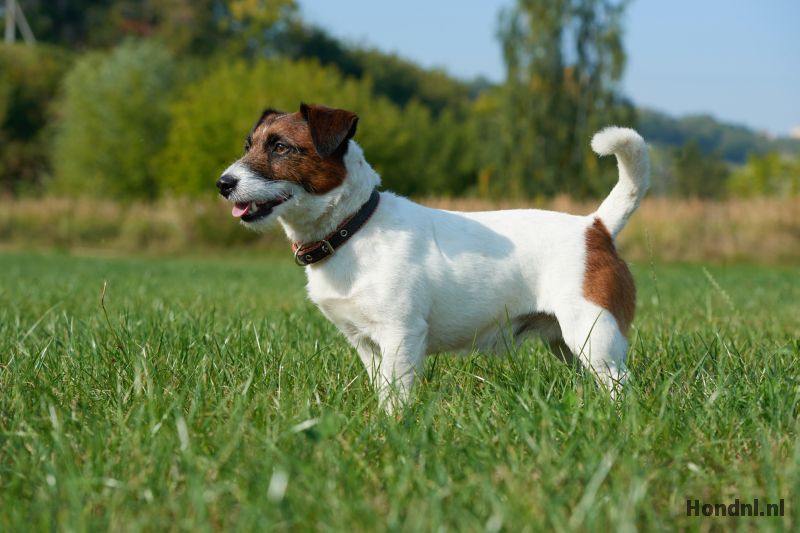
(288, 157)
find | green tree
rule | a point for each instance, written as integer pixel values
(185, 26)
(770, 174)
(564, 60)
(211, 27)
(396, 78)
(73, 23)
(698, 175)
(211, 118)
(28, 86)
(114, 119)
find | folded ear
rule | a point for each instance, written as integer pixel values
(330, 128)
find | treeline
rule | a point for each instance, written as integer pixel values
(140, 100)
(731, 142)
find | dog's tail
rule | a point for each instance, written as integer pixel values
(634, 175)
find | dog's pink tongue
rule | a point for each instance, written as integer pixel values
(240, 209)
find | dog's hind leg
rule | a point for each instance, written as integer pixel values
(592, 335)
(562, 351)
(546, 327)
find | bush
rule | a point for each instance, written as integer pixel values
(211, 119)
(28, 86)
(772, 174)
(696, 175)
(114, 120)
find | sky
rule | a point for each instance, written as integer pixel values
(738, 60)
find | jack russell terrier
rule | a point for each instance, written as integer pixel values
(401, 280)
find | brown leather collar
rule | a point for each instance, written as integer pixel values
(307, 254)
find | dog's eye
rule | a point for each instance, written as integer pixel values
(247, 145)
(281, 149)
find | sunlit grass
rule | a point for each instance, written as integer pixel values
(214, 396)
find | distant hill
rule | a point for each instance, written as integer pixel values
(732, 142)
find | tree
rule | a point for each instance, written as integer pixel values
(396, 78)
(29, 82)
(211, 118)
(200, 27)
(113, 120)
(770, 174)
(697, 175)
(71, 23)
(564, 61)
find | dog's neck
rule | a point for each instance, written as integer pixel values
(322, 214)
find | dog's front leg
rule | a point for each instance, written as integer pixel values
(392, 359)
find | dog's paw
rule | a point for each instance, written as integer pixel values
(613, 378)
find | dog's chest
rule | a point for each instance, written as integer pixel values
(340, 301)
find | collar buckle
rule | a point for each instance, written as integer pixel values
(305, 255)
(305, 258)
(327, 247)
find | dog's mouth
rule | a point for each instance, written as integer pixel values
(252, 211)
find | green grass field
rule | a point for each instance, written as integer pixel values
(214, 396)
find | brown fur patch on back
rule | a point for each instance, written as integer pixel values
(607, 281)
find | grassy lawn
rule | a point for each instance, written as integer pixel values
(214, 396)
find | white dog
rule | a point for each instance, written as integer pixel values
(401, 280)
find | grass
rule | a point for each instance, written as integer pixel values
(213, 396)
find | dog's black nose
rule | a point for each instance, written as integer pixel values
(226, 184)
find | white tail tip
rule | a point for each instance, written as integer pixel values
(614, 139)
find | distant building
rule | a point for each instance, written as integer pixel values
(795, 132)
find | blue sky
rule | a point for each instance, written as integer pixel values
(737, 59)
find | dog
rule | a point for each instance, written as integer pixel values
(402, 281)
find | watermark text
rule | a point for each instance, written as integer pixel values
(754, 507)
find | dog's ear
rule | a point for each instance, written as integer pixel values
(330, 128)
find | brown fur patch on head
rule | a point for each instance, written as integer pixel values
(607, 281)
(307, 147)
